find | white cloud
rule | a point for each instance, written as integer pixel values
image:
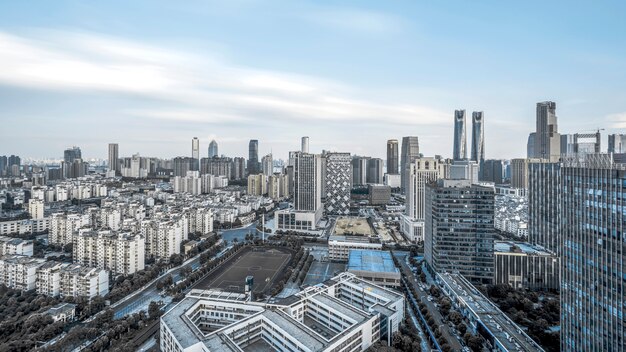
(617, 120)
(196, 89)
(356, 20)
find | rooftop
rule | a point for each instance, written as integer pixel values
(378, 261)
(519, 247)
(507, 335)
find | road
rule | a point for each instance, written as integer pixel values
(453, 341)
(142, 298)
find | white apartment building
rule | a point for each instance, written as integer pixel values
(23, 227)
(200, 220)
(64, 226)
(19, 272)
(73, 280)
(343, 314)
(164, 236)
(9, 246)
(36, 208)
(120, 252)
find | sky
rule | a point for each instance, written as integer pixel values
(151, 75)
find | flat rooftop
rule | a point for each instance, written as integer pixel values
(506, 333)
(519, 247)
(378, 261)
(353, 225)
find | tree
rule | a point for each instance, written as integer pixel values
(154, 310)
(462, 328)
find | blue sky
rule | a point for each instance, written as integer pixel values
(151, 75)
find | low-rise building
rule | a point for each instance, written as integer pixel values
(379, 194)
(484, 317)
(375, 266)
(63, 312)
(17, 246)
(19, 272)
(344, 313)
(522, 265)
(339, 247)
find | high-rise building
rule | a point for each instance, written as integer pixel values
(122, 253)
(421, 172)
(392, 156)
(593, 274)
(3, 164)
(374, 171)
(254, 167)
(547, 137)
(114, 166)
(307, 182)
(338, 183)
(307, 194)
(617, 144)
(305, 145)
(519, 172)
(544, 205)
(409, 152)
(71, 154)
(238, 168)
(567, 144)
(195, 154)
(459, 229)
(587, 143)
(267, 165)
(492, 171)
(257, 185)
(216, 166)
(182, 165)
(459, 151)
(478, 138)
(213, 149)
(36, 208)
(359, 170)
(530, 145)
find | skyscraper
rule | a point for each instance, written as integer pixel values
(593, 272)
(459, 151)
(459, 229)
(305, 145)
(307, 182)
(113, 158)
(375, 171)
(359, 170)
(213, 149)
(421, 172)
(72, 154)
(392, 156)
(195, 154)
(617, 143)
(338, 183)
(267, 165)
(530, 145)
(493, 171)
(547, 137)
(409, 152)
(478, 137)
(253, 157)
(544, 205)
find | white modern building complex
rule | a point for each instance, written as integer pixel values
(121, 253)
(344, 313)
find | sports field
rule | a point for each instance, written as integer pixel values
(265, 265)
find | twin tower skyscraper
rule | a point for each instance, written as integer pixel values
(460, 137)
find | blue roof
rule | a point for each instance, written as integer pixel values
(371, 260)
